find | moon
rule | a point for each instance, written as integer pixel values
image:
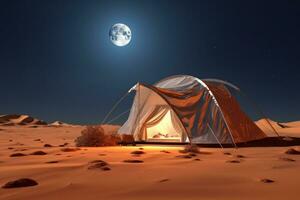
(120, 34)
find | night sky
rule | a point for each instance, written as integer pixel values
(57, 62)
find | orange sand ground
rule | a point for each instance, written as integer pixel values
(161, 176)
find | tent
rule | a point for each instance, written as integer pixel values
(184, 108)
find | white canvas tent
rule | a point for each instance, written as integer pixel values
(186, 109)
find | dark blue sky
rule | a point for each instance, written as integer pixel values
(57, 62)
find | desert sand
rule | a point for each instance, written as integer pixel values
(212, 174)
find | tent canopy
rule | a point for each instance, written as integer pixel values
(184, 108)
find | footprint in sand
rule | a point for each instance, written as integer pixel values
(287, 159)
(67, 149)
(98, 164)
(163, 180)
(184, 156)
(52, 161)
(63, 145)
(17, 155)
(23, 182)
(292, 151)
(233, 161)
(38, 153)
(48, 145)
(266, 180)
(133, 161)
(165, 151)
(138, 152)
(105, 168)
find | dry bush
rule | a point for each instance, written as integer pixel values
(94, 136)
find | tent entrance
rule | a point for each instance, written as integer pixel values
(163, 126)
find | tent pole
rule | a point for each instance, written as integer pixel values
(215, 135)
(190, 139)
(227, 126)
(216, 102)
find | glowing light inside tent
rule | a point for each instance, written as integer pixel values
(164, 130)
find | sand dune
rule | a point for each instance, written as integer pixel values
(11, 120)
(159, 172)
(59, 123)
(291, 129)
(292, 124)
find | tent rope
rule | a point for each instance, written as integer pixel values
(215, 136)
(118, 116)
(260, 112)
(114, 107)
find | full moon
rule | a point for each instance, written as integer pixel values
(120, 34)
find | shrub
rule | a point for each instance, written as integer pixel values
(94, 136)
